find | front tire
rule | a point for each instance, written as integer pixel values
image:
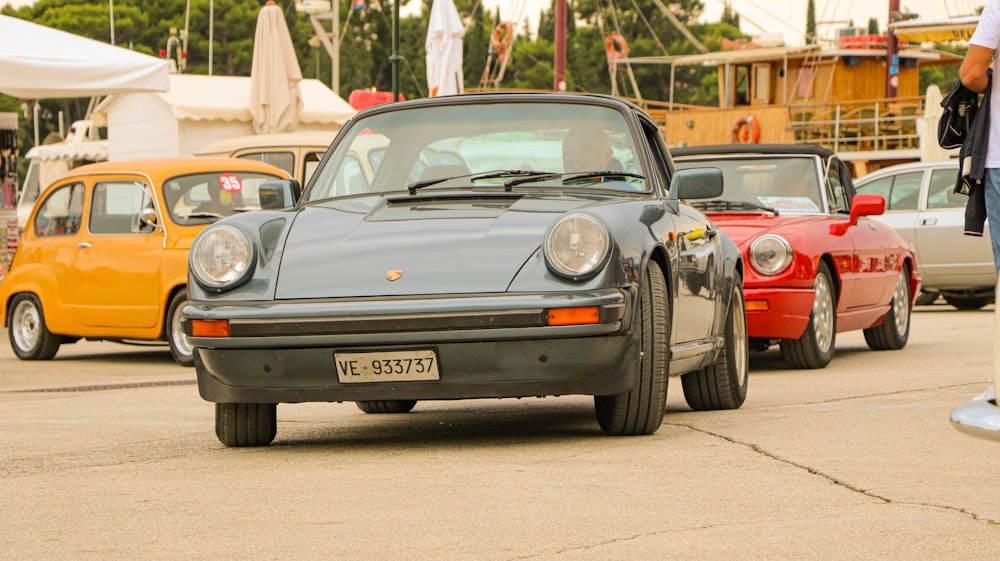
(894, 332)
(640, 410)
(246, 424)
(927, 298)
(29, 337)
(814, 349)
(180, 347)
(387, 406)
(723, 384)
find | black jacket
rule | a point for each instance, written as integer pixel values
(972, 165)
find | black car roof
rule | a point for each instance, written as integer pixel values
(505, 97)
(769, 149)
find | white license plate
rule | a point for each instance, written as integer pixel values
(393, 366)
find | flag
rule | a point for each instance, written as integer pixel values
(357, 4)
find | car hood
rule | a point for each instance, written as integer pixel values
(434, 245)
(743, 228)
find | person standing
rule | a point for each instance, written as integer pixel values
(976, 74)
(984, 47)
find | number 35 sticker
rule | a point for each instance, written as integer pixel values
(229, 182)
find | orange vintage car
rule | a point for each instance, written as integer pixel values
(104, 254)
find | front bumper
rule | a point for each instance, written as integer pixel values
(486, 346)
(778, 313)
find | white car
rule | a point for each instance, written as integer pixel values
(921, 204)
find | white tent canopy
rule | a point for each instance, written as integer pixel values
(39, 62)
(226, 98)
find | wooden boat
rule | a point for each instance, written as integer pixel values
(830, 95)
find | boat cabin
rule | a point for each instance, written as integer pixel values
(828, 96)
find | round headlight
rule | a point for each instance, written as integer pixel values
(577, 246)
(222, 257)
(770, 254)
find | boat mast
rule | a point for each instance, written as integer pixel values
(560, 61)
(892, 53)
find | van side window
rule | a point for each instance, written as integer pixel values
(59, 214)
(283, 160)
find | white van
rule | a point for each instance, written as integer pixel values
(298, 153)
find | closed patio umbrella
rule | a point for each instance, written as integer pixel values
(275, 99)
(444, 50)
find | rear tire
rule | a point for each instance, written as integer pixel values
(968, 302)
(723, 384)
(386, 406)
(245, 424)
(30, 338)
(814, 349)
(640, 410)
(894, 332)
(180, 347)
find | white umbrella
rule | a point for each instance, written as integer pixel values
(927, 124)
(444, 50)
(275, 99)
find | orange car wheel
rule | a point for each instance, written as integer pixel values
(29, 336)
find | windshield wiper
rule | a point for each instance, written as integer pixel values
(720, 204)
(510, 173)
(414, 187)
(568, 177)
(603, 173)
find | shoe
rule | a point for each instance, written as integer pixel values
(988, 395)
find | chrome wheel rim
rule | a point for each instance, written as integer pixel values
(26, 326)
(823, 313)
(901, 303)
(180, 340)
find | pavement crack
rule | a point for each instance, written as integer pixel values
(898, 392)
(836, 481)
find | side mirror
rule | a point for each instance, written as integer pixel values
(147, 217)
(696, 183)
(279, 194)
(866, 204)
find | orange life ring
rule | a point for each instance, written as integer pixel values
(746, 130)
(616, 46)
(502, 36)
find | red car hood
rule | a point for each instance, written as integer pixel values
(743, 227)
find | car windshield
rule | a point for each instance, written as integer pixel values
(206, 197)
(784, 184)
(482, 146)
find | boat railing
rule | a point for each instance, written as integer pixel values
(885, 124)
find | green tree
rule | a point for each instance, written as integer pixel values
(873, 26)
(811, 22)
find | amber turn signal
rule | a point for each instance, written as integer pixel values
(209, 328)
(757, 306)
(574, 316)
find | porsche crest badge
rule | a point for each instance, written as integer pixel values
(393, 275)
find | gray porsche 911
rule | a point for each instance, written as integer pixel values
(505, 245)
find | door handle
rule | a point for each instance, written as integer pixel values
(83, 245)
(928, 221)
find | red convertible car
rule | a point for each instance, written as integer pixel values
(818, 264)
